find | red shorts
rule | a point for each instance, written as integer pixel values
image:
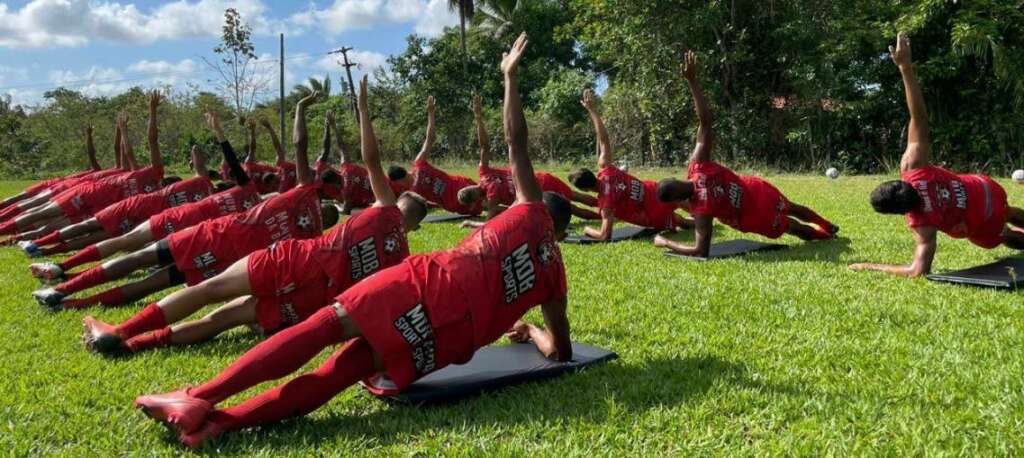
(287, 288)
(660, 216)
(413, 333)
(197, 257)
(160, 226)
(989, 233)
(73, 205)
(123, 216)
(765, 209)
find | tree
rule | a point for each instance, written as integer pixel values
(466, 11)
(313, 84)
(496, 17)
(242, 79)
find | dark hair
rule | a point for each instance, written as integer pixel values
(583, 179)
(396, 172)
(560, 210)
(411, 202)
(329, 214)
(169, 180)
(268, 178)
(673, 190)
(895, 197)
(213, 175)
(224, 185)
(330, 177)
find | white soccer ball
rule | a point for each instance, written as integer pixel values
(1018, 176)
(832, 173)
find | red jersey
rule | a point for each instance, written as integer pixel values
(232, 200)
(256, 171)
(509, 265)
(953, 204)
(441, 188)
(397, 187)
(89, 198)
(356, 187)
(63, 185)
(369, 241)
(293, 214)
(551, 183)
(286, 170)
(123, 216)
(632, 200)
(717, 192)
(497, 184)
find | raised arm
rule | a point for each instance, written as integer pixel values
(604, 145)
(90, 149)
(118, 157)
(919, 145)
(152, 133)
(273, 138)
(705, 132)
(344, 151)
(300, 139)
(481, 132)
(428, 143)
(127, 154)
(250, 148)
(199, 163)
(325, 146)
(516, 133)
(241, 178)
(371, 156)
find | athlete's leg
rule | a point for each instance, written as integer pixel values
(32, 220)
(70, 232)
(112, 270)
(1013, 238)
(806, 214)
(806, 232)
(241, 311)
(77, 244)
(1015, 216)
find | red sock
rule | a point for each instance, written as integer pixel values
(83, 281)
(110, 297)
(150, 318)
(10, 212)
(276, 357)
(49, 239)
(56, 249)
(88, 254)
(8, 228)
(351, 363)
(149, 340)
(79, 304)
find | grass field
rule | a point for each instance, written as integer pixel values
(780, 353)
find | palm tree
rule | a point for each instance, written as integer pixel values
(314, 85)
(466, 10)
(496, 16)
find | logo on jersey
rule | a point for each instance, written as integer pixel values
(518, 273)
(391, 244)
(548, 252)
(126, 226)
(204, 260)
(286, 289)
(77, 202)
(439, 187)
(305, 222)
(955, 192)
(169, 227)
(288, 315)
(636, 190)
(363, 258)
(176, 199)
(735, 195)
(198, 196)
(414, 326)
(922, 190)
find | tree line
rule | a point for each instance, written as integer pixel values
(794, 84)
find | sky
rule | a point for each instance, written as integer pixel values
(103, 47)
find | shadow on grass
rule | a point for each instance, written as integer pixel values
(595, 395)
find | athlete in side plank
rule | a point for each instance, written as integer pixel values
(282, 285)
(408, 320)
(933, 198)
(496, 190)
(203, 251)
(621, 196)
(745, 203)
(42, 186)
(241, 197)
(120, 218)
(286, 171)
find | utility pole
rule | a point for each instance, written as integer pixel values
(348, 70)
(280, 100)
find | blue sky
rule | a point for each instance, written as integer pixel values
(102, 47)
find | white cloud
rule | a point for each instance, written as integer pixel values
(62, 23)
(162, 66)
(97, 81)
(429, 17)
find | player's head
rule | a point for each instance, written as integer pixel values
(583, 179)
(400, 175)
(329, 177)
(213, 175)
(471, 195)
(414, 208)
(271, 180)
(167, 181)
(671, 190)
(329, 214)
(224, 185)
(895, 197)
(561, 212)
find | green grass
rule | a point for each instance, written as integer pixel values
(778, 353)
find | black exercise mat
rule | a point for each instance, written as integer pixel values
(1005, 274)
(618, 234)
(730, 249)
(445, 218)
(497, 367)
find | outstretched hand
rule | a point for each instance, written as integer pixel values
(901, 54)
(266, 123)
(362, 102)
(588, 101)
(430, 105)
(212, 120)
(510, 60)
(329, 117)
(309, 99)
(122, 120)
(689, 66)
(154, 99)
(478, 106)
